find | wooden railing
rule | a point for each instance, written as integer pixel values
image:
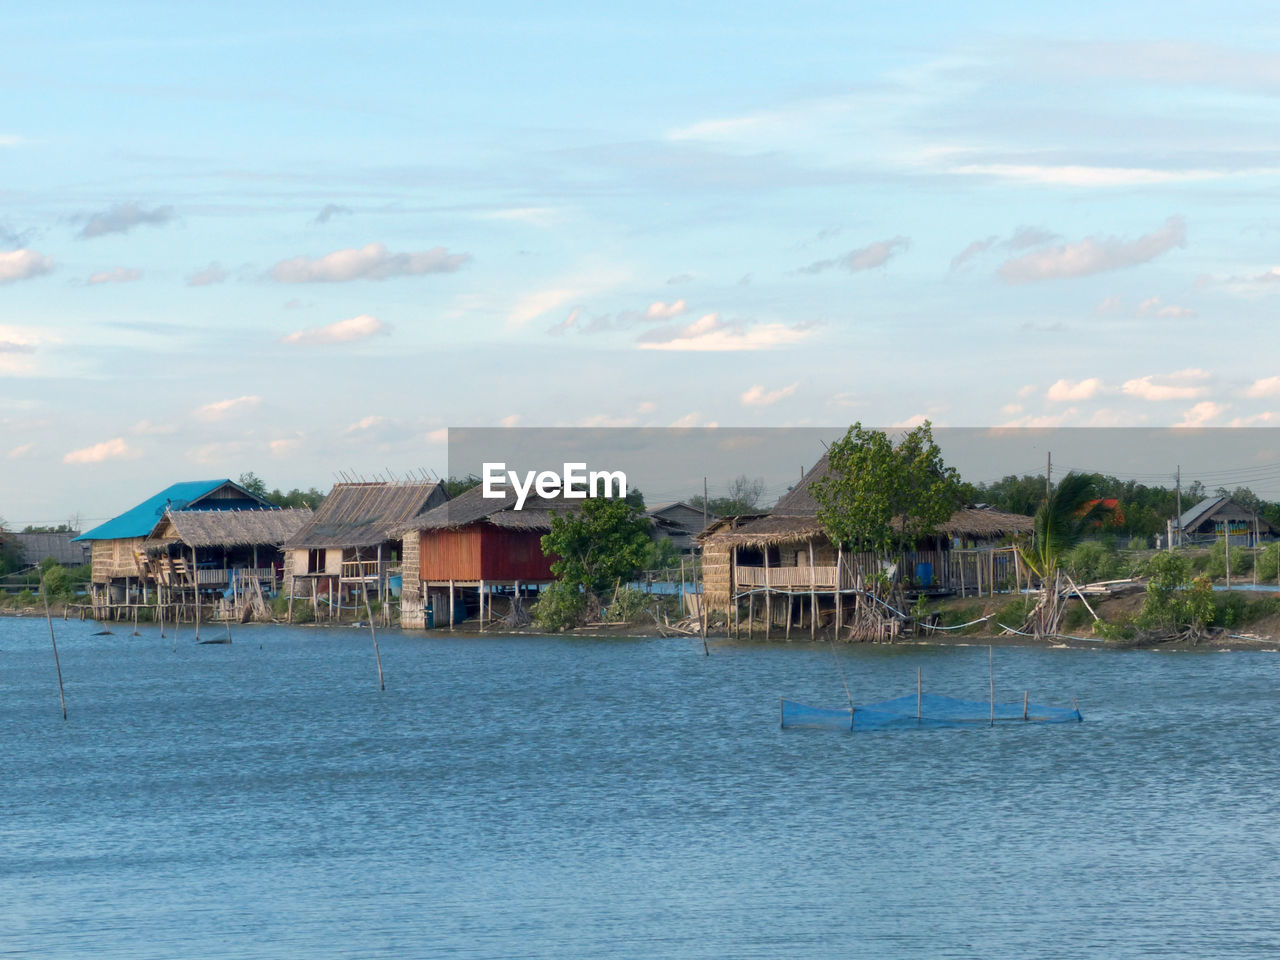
(968, 571)
(371, 570)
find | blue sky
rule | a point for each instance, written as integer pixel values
(294, 242)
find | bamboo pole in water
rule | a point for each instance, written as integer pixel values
(991, 668)
(52, 640)
(382, 684)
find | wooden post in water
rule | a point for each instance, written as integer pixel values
(991, 667)
(450, 606)
(373, 633)
(195, 589)
(768, 596)
(1026, 702)
(52, 640)
(839, 587)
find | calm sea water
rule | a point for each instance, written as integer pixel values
(549, 797)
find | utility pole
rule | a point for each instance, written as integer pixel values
(1048, 473)
(1177, 523)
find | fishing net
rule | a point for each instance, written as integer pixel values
(927, 710)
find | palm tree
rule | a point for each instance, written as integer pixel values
(1060, 524)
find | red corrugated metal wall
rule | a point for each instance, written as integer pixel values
(483, 553)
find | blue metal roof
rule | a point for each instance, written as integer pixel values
(141, 520)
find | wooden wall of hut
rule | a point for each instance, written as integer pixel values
(413, 609)
(482, 552)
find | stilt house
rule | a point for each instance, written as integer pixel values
(460, 556)
(788, 555)
(118, 555)
(354, 541)
(1217, 517)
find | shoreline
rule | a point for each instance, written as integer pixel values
(1224, 642)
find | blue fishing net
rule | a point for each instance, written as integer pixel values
(930, 710)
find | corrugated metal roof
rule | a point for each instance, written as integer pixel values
(1196, 513)
(141, 520)
(37, 546)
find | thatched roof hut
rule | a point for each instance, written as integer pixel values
(365, 514)
(227, 528)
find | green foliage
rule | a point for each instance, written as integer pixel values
(1014, 612)
(560, 606)
(1269, 562)
(1061, 521)
(1138, 543)
(605, 542)
(60, 528)
(879, 497)
(1091, 561)
(1174, 602)
(629, 606)
(311, 498)
(1077, 618)
(456, 485)
(743, 496)
(58, 584)
(26, 598)
(661, 554)
(1241, 560)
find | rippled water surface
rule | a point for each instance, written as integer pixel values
(550, 797)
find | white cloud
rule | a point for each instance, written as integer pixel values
(864, 258)
(664, 311)
(225, 409)
(1043, 421)
(1011, 409)
(1111, 304)
(533, 305)
(758, 396)
(646, 406)
(147, 428)
(1266, 387)
(1076, 175)
(368, 423)
(1027, 390)
(217, 453)
(23, 265)
(1145, 389)
(1202, 413)
(911, 422)
(1065, 391)
(285, 446)
(115, 275)
(1153, 306)
(693, 419)
(123, 218)
(113, 449)
(440, 435)
(710, 333)
(1094, 255)
(1257, 420)
(210, 275)
(17, 453)
(510, 421)
(371, 262)
(343, 331)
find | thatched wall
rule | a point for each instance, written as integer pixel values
(717, 576)
(115, 558)
(413, 611)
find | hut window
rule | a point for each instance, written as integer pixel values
(750, 557)
(315, 561)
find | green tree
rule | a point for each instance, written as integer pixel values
(456, 485)
(742, 496)
(880, 497)
(605, 542)
(253, 483)
(1060, 524)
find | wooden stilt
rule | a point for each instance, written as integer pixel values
(813, 598)
(451, 606)
(53, 641)
(382, 685)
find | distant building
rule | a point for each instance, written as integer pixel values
(354, 539)
(34, 548)
(678, 522)
(121, 571)
(1216, 517)
(464, 553)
